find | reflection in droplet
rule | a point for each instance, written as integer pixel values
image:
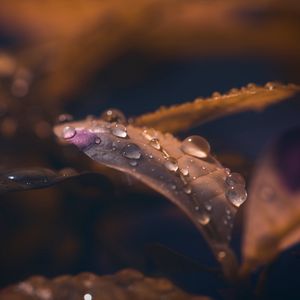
(132, 151)
(119, 130)
(113, 115)
(196, 146)
(69, 132)
(184, 172)
(237, 195)
(171, 164)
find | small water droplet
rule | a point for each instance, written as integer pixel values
(132, 151)
(113, 115)
(221, 255)
(171, 164)
(197, 207)
(173, 186)
(97, 140)
(69, 132)
(204, 219)
(149, 134)
(64, 118)
(187, 189)
(184, 172)
(227, 170)
(225, 222)
(237, 195)
(208, 206)
(234, 179)
(119, 130)
(155, 144)
(133, 163)
(196, 146)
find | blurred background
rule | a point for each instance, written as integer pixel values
(81, 57)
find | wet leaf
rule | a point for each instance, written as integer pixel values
(126, 284)
(187, 115)
(274, 203)
(184, 172)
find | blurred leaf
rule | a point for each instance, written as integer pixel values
(126, 284)
(187, 115)
(200, 187)
(272, 213)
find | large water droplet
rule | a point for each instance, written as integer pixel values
(119, 130)
(196, 146)
(234, 179)
(132, 151)
(237, 195)
(155, 144)
(171, 164)
(69, 132)
(113, 115)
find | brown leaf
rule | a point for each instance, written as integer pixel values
(187, 115)
(126, 284)
(272, 213)
(198, 186)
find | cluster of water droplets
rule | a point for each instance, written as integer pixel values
(235, 188)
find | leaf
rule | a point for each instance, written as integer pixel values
(125, 284)
(187, 115)
(272, 213)
(198, 186)
(33, 178)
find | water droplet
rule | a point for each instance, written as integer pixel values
(187, 189)
(208, 206)
(184, 172)
(149, 134)
(155, 144)
(133, 163)
(64, 118)
(132, 151)
(234, 179)
(197, 207)
(119, 130)
(269, 86)
(227, 170)
(113, 115)
(196, 146)
(204, 219)
(221, 255)
(171, 164)
(97, 140)
(87, 297)
(237, 195)
(69, 132)
(173, 187)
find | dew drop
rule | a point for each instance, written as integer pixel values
(234, 179)
(208, 206)
(196, 146)
(173, 187)
(171, 164)
(155, 144)
(133, 163)
(187, 189)
(132, 151)
(119, 130)
(221, 255)
(98, 140)
(64, 118)
(69, 132)
(184, 172)
(149, 134)
(113, 115)
(237, 195)
(204, 219)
